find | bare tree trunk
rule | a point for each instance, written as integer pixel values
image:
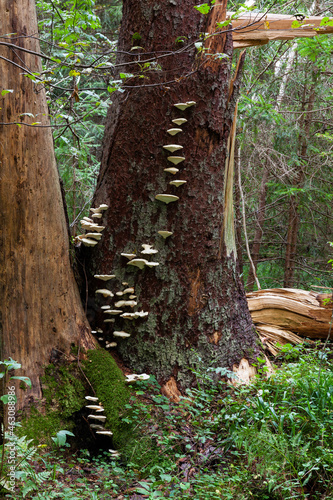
(40, 311)
(194, 296)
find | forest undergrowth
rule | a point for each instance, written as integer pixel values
(270, 439)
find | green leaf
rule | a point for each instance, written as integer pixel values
(26, 380)
(6, 91)
(203, 8)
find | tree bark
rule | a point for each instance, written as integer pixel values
(194, 297)
(40, 311)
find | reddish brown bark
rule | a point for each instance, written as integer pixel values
(194, 298)
(40, 310)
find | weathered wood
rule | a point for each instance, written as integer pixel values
(40, 309)
(255, 28)
(301, 312)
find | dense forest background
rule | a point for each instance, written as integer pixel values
(284, 135)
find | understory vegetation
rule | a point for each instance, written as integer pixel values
(271, 439)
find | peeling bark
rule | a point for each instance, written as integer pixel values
(40, 310)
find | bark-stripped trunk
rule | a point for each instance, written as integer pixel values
(194, 297)
(40, 310)
(255, 251)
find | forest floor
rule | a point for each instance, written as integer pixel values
(271, 439)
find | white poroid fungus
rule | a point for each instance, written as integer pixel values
(95, 407)
(130, 303)
(100, 338)
(99, 330)
(140, 263)
(174, 131)
(128, 256)
(103, 207)
(177, 182)
(132, 297)
(109, 320)
(105, 307)
(91, 398)
(135, 315)
(114, 311)
(166, 198)
(114, 453)
(104, 292)
(96, 426)
(134, 377)
(119, 294)
(125, 283)
(97, 216)
(165, 234)
(104, 277)
(191, 103)
(105, 433)
(95, 236)
(110, 344)
(96, 227)
(172, 147)
(153, 264)
(181, 105)
(121, 334)
(120, 303)
(171, 170)
(102, 418)
(95, 210)
(148, 250)
(129, 290)
(176, 159)
(179, 121)
(88, 242)
(88, 220)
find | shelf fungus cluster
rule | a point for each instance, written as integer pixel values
(176, 160)
(96, 420)
(93, 235)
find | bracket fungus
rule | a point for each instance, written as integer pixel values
(95, 407)
(96, 426)
(104, 292)
(109, 320)
(179, 121)
(172, 147)
(91, 398)
(119, 294)
(174, 131)
(104, 277)
(177, 182)
(148, 250)
(153, 264)
(102, 418)
(166, 198)
(129, 256)
(121, 334)
(171, 170)
(105, 307)
(105, 433)
(88, 220)
(88, 243)
(110, 344)
(140, 263)
(135, 315)
(114, 311)
(129, 290)
(96, 236)
(165, 234)
(134, 377)
(97, 216)
(176, 159)
(181, 105)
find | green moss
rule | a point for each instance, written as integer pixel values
(109, 384)
(63, 393)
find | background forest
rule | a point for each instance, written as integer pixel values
(268, 440)
(284, 135)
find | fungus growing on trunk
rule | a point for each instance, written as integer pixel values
(179, 121)
(121, 334)
(148, 250)
(176, 159)
(177, 183)
(104, 277)
(174, 131)
(102, 418)
(172, 147)
(166, 198)
(171, 170)
(165, 234)
(104, 292)
(140, 263)
(129, 256)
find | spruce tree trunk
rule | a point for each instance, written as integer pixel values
(194, 297)
(40, 310)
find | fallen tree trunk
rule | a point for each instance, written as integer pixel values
(284, 315)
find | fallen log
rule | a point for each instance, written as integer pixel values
(287, 315)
